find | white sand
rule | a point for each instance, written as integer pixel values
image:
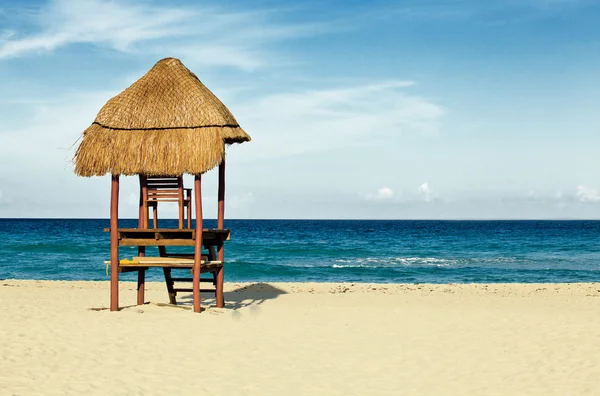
(303, 339)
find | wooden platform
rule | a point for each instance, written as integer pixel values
(169, 236)
(212, 240)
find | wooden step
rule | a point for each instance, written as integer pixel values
(165, 262)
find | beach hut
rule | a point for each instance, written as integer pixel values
(164, 125)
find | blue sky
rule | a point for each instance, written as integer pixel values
(405, 109)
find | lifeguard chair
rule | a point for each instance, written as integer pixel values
(164, 125)
(157, 189)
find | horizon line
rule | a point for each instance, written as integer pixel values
(314, 219)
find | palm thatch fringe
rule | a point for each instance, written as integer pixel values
(151, 152)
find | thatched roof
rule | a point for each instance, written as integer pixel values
(165, 123)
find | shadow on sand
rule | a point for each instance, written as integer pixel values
(245, 296)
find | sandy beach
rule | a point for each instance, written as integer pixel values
(301, 339)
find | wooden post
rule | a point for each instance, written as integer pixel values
(180, 198)
(198, 242)
(141, 281)
(114, 244)
(220, 276)
(144, 201)
(221, 195)
(189, 213)
(155, 214)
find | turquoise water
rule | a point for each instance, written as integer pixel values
(330, 250)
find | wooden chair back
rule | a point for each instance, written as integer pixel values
(164, 189)
(167, 189)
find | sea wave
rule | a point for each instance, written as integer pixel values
(375, 262)
(353, 266)
(422, 262)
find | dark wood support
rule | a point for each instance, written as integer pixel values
(143, 202)
(198, 241)
(189, 208)
(219, 281)
(155, 215)
(221, 196)
(220, 275)
(169, 281)
(141, 280)
(141, 286)
(180, 195)
(162, 251)
(114, 244)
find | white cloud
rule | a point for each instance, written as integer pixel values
(205, 35)
(382, 194)
(312, 120)
(585, 194)
(426, 192)
(52, 129)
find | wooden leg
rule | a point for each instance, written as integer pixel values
(143, 217)
(220, 277)
(155, 214)
(189, 215)
(180, 201)
(197, 242)
(221, 225)
(162, 251)
(180, 215)
(141, 281)
(141, 285)
(170, 288)
(114, 244)
(212, 255)
(221, 197)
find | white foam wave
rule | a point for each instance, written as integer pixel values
(382, 262)
(353, 266)
(373, 262)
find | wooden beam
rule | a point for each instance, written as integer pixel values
(156, 242)
(221, 195)
(220, 275)
(169, 282)
(141, 280)
(180, 199)
(144, 197)
(114, 244)
(198, 244)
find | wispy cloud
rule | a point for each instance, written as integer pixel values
(311, 120)
(207, 34)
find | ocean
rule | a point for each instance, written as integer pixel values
(329, 250)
